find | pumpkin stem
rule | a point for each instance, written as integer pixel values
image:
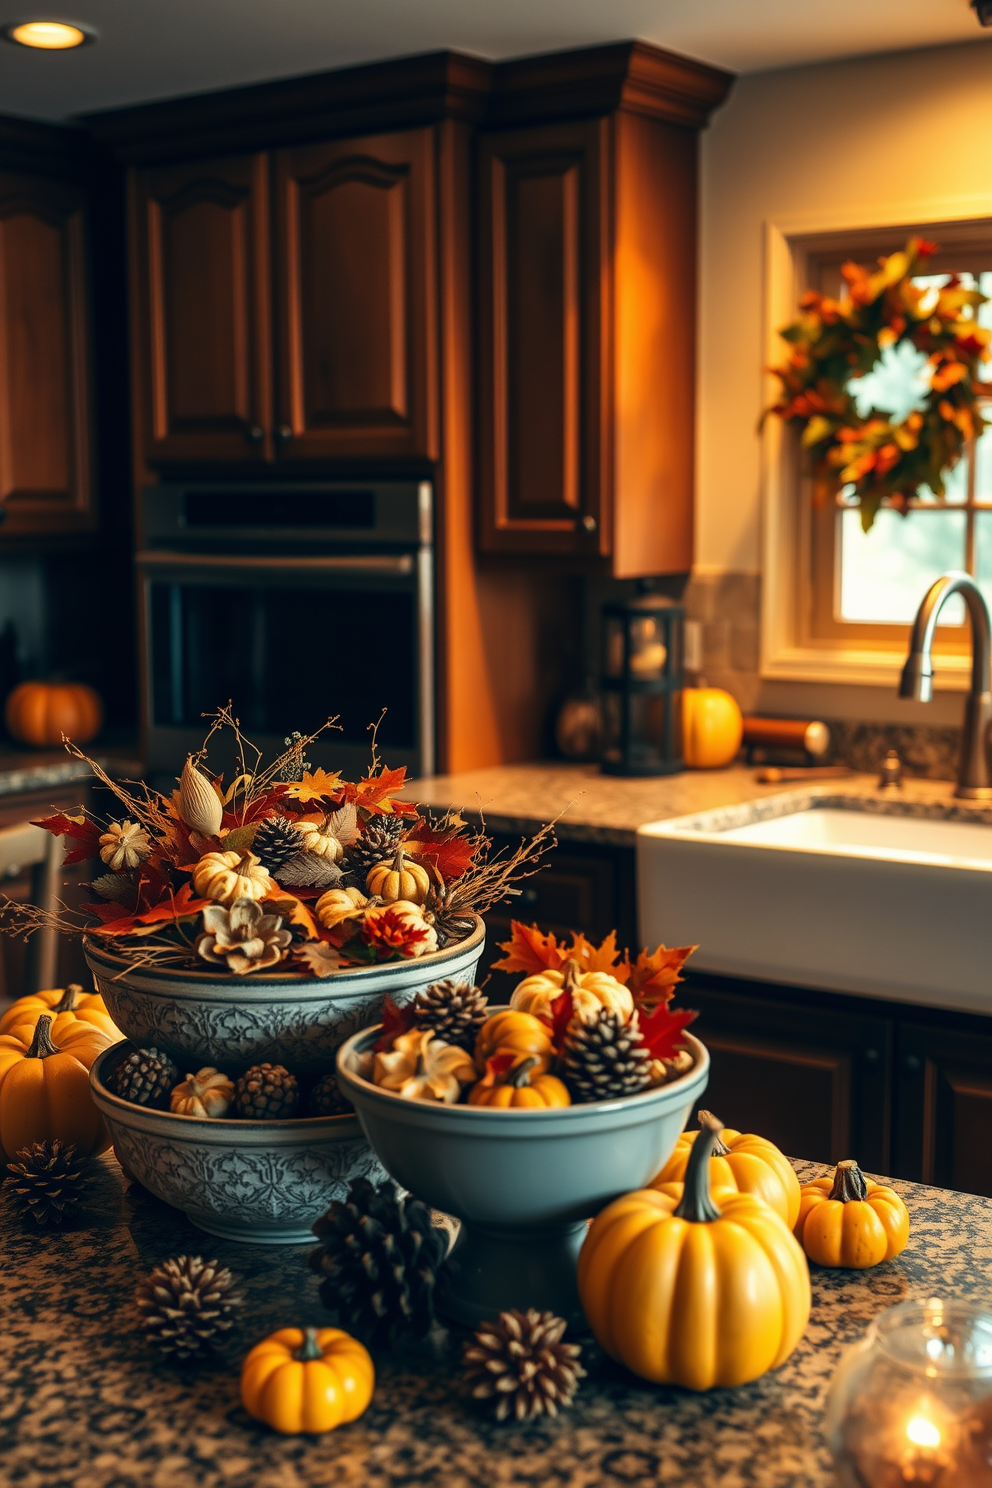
(849, 1182)
(696, 1204)
(310, 1348)
(399, 861)
(571, 972)
(720, 1148)
(70, 998)
(41, 1044)
(519, 1074)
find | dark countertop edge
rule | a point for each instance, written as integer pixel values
(26, 777)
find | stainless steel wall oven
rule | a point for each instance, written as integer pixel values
(296, 602)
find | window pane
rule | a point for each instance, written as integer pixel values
(983, 553)
(985, 319)
(896, 386)
(886, 572)
(983, 462)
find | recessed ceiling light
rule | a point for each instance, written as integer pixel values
(48, 36)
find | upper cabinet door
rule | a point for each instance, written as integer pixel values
(544, 293)
(45, 373)
(357, 319)
(202, 314)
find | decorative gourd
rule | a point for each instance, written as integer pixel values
(320, 838)
(712, 727)
(229, 876)
(693, 1288)
(208, 1094)
(743, 1162)
(401, 879)
(520, 1034)
(421, 1066)
(39, 713)
(591, 991)
(338, 905)
(513, 1085)
(307, 1379)
(851, 1222)
(45, 1090)
(66, 1005)
(199, 804)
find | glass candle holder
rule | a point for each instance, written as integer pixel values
(911, 1405)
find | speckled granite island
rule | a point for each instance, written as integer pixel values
(84, 1405)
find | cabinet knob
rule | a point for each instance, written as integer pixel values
(284, 433)
(528, 897)
(589, 523)
(255, 434)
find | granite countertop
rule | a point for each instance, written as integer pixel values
(26, 770)
(607, 808)
(84, 1404)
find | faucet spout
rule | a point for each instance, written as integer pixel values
(974, 779)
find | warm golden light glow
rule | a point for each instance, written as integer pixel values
(923, 1433)
(50, 36)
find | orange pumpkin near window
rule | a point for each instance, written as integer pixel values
(712, 727)
(39, 713)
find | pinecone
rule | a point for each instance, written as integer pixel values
(47, 1181)
(145, 1078)
(378, 842)
(521, 1364)
(379, 1259)
(326, 1099)
(266, 1092)
(455, 1011)
(185, 1304)
(605, 1059)
(275, 842)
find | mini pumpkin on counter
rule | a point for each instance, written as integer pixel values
(508, 1084)
(847, 1221)
(66, 1005)
(508, 1031)
(591, 991)
(712, 727)
(422, 1067)
(207, 1094)
(691, 1287)
(741, 1162)
(39, 713)
(307, 1380)
(45, 1089)
(228, 876)
(400, 879)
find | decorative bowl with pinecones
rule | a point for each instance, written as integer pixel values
(523, 1181)
(279, 1017)
(260, 1181)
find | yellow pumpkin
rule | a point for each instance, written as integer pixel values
(307, 1379)
(401, 879)
(39, 713)
(520, 1034)
(45, 1089)
(591, 991)
(318, 837)
(66, 1005)
(712, 727)
(515, 1087)
(849, 1221)
(229, 876)
(338, 905)
(693, 1288)
(742, 1162)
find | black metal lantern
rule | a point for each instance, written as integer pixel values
(642, 686)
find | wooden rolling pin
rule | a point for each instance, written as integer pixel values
(787, 733)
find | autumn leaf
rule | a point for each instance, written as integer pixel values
(319, 958)
(375, 793)
(78, 829)
(653, 977)
(109, 913)
(662, 1031)
(178, 906)
(294, 911)
(315, 786)
(395, 1020)
(603, 957)
(529, 950)
(450, 852)
(562, 1012)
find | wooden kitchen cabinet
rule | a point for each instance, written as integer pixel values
(201, 309)
(943, 1104)
(46, 482)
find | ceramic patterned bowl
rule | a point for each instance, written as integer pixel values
(523, 1182)
(286, 1019)
(259, 1181)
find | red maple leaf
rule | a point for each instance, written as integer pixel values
(395, 1020)
(109, 913)
(562, 1012)
(450, 852)
(263, 806)
(662, 1031)
(85, 832)
(528, 950)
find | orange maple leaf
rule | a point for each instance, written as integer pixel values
(451, 852)
(315, 786)
(603, 957)
(529, 950)
(294, 911)
(376, 792)
(653, 977)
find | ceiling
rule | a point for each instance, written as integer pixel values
(152, 49)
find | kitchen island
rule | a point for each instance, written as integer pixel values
(85, 1404)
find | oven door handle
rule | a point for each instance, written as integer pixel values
(403, 563)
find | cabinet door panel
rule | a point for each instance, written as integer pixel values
(45, 479)
(544, 292)
(357, 324)
(202, 313)
(943, 1108)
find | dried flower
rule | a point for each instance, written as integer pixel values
(398, 930)
(422, 1067)
(242, 937)
(124, 845)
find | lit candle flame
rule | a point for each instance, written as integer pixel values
(923, 1433)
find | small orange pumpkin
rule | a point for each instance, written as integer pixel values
(850, 1222)
(520, 1034)
(508, 1084)
(39, 713)
(743, 1163)
(66, 1005)
(45, 1090)
(712, 727)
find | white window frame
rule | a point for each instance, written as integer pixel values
(785, 538)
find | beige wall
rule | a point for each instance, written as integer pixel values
(883, 139)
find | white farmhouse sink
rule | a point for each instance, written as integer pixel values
(851, 894)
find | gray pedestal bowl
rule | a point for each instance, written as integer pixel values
(259, 1181)
(523, 1182)
(283, 1018)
